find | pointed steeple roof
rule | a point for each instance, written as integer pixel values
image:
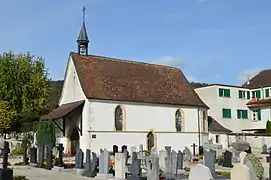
(83, 36)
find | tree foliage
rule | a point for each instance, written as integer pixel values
(24, 83)
(7, 116)
(268, 126)
(46, 133)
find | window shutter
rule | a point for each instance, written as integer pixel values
(229, 110)
(220, 92)
(258, 93)
(245, 115)
(248, 94)
(259, 114)
(227, 93)
(238, 114)
(266, 92)
(240, 94)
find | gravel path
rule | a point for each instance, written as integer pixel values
(41, 174)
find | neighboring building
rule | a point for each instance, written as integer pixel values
(238, 108)
(107, 101)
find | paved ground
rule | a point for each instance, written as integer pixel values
(41, 174)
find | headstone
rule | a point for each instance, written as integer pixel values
(89, 170)
(104, 166)
(174, 156)
(115, 149)
(168, 172)
(79, 159)
(180, 160)
(25, 157)
(209, 160)
(123, 148)
(200, 172)
(60, 149)
(201, 150)
(194, 148)
(41, 157)
(240, 171)
(134, 168)
(120, 166)
(227, 159)
(33, 155)
(264, 149)
(187, 154)
(49, 158)
(153, 168)
(94, 163)
(162, 158)
(6, 173)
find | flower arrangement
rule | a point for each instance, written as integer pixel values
(256, 164)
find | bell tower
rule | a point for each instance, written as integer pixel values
(82, 40)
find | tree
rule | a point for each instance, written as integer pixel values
(46, 133)
(24, 83)
(7, 116)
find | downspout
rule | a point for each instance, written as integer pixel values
(199, 126)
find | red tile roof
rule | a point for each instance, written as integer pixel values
(120, 80)
(262, 79)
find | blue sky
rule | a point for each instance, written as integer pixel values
(214, 41)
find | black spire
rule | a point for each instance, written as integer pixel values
(82, 40)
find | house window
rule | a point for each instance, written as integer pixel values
(119, 118)
(267, 93)
(226, 113)
(243, 94)
(179, 120)
(224, 92)
(242, 114)
(256, 94)
(217, 139)
(257, 115)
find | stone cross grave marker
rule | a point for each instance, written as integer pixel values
(209, 160)
(194, 148)
(6, 151)
(60, 149)
(6, 173)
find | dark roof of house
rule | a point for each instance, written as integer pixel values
(121, 80)
(65, 109)
(262, 79)
(201, 85)
(214, 126)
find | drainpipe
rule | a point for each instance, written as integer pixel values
(199, 126)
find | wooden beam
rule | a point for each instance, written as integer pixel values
(62, 130)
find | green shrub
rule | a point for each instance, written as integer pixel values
(46, 132)
(17, 151)
(256, 164)
(268, 126)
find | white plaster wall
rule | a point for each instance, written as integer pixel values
(265, 116)
(72, 90)
(141, 117)
(176, 140)
(211, 97)
(223, 139)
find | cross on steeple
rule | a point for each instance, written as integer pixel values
(84, 13)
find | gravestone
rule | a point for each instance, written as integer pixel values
(94, 163)
(123, 148)
(25, 157)
(200, 172)
(174, 156)
(115, 149)
(180, 160)
(104, 166)
(41, 157)
(194, 148)
(152, 163)
(264, 149)
(49, 158)
(135, 169)
(89, 170)
(187, 154)
(201, 149)
(120, 166)
(79, 159)
(5, 172)
(162, 158)
(240, 171)
(59, 161)
(209, 160)
(33, 155)
(168, 172)
(227, 159)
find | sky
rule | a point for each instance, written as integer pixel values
(211, 41)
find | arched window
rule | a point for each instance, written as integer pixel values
(179, 120)
(119, 118)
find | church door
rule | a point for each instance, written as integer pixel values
(150, 141)
(74, 141)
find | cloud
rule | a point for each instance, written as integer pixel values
(170, 61)
(248, 74)
(193, 79)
